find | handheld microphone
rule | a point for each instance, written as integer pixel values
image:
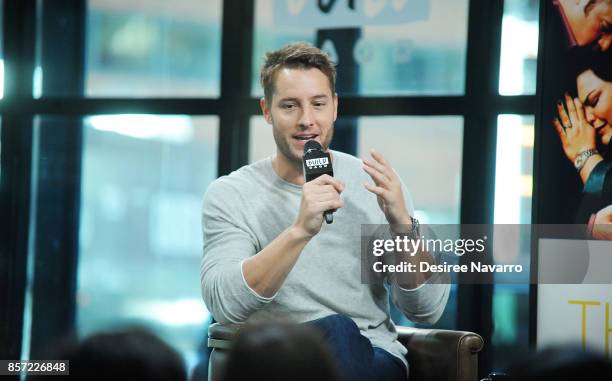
(316, 163)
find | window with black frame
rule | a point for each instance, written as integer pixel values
(121, 183)
(143, 175)
(514, 176)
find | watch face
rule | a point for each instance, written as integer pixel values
(583, 157)
(579, 162)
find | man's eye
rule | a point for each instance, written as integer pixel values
(288, 106)
(319, 104)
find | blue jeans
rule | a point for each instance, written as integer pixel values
(354, 354)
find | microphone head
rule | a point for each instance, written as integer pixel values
(312, 145)
(316, 162)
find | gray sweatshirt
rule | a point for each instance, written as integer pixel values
(244, 211)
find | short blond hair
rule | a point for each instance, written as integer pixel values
(301, 55)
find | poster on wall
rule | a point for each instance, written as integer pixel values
(573, 173)
(575, 158)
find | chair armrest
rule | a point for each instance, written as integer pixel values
(436, 354)
(220, 336)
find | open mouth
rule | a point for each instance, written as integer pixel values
(305, 137)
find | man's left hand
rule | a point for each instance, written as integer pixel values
(388, 189)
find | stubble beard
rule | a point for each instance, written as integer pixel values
(283, 145)
(284, 148)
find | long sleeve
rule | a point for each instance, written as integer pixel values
(227, 242)
(424, 304)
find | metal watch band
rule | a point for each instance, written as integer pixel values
(416, 231)
(582, 158)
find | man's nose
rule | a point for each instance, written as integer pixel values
(307, 117)
(604, 42)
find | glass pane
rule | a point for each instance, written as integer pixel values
(408, 143)
(1, 49)
(161, 48)
(510, 324)
(514, 169)
(164, 48)
(422, 53)
(143, 177)
(0, 146)
(518, 61)
(1, 70)
(513, 189)
(261, 144)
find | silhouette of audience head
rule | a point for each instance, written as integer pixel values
(280, 352)
(125, 354)
(562, 363)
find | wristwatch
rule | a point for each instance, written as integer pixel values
(415, 231)
(582, 158)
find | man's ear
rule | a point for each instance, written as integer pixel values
(335, 106)
(265, 109)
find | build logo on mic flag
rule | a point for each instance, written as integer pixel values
(320, 162)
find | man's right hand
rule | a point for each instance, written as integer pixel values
(318, 195)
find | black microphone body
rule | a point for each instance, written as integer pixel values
(317, 162)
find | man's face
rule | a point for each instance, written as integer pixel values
(596, 95)
(302, 108)
(590, 21)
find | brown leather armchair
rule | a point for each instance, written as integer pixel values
(433, 354)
